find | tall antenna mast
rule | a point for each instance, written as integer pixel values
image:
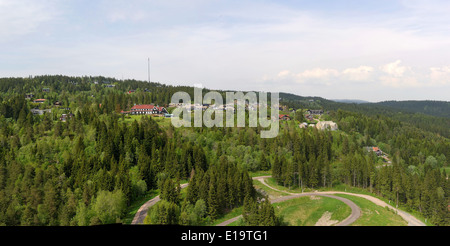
(149, 70)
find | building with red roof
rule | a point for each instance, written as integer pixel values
(39, 100)
(148, 109)
(284, 117)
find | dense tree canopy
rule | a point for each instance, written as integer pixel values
(88, 169)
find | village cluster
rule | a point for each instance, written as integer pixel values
(313, 116)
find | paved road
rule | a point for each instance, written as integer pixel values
(356, 212)
(411, 220)
(142, 212)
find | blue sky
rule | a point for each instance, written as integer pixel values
(370, 50)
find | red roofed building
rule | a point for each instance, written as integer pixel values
(377, 151)
(284, 117)
(148, 109)
(39, 100)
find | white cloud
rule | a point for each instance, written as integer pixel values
(390, 75)
(394, 69)
(361, 73)
(284, 73)
(317, 75)
(400, 82)
(19, 18)
(440, 75)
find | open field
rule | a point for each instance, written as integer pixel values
(374, 215)
(307, 211)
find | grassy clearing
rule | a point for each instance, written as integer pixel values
(306, 211)
(271, 193)
(374, 215)
(233, 213)
(260, 173)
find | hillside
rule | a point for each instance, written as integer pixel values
(434, 108)
(430, 116)
(63, 172)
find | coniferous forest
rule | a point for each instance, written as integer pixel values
(89, 167)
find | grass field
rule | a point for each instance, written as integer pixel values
(306, 211)
(233, 213)
(374, 215)
(271, 193)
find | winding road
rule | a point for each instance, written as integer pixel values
(142, 212)
(355, 214)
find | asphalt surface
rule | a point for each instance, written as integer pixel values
(142, 212)
(355, 214)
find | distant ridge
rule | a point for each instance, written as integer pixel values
(357, 101)
(429, 107)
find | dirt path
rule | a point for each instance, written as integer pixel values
(326, 220)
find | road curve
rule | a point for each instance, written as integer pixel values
(356, 211)
(142, 212)
(411, 220)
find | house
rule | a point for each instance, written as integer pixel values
(284, 117)
(377, 151)
(322, 125)
(57, 103)
(315, 112)
(282, 108)
(64, 117)
(37, 111)
(29, 96)
(303, 125)
(148, 109)
(172, 105)
(309, 117)
(39, 100)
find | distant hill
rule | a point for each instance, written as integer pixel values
(350, 101)
(434, 108)
(432, 116)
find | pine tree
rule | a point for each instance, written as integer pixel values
(276, 169)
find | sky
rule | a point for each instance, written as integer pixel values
(368, 50)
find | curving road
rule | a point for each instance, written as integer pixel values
(356, 211)
(142, 212)
(411, 220)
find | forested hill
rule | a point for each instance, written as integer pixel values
(434, 108)
(91, 166)
(431, 116)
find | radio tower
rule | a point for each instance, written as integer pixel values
(149, 70)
